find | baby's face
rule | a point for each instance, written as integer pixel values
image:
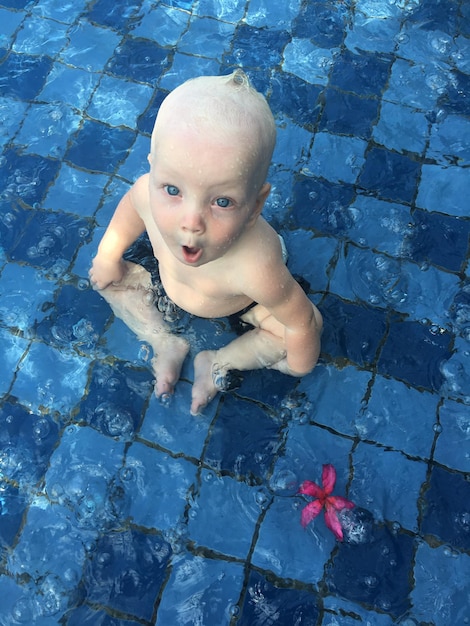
(204, 193)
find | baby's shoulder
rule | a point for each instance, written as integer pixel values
(139, 193)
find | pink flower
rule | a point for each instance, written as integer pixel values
(332, 504)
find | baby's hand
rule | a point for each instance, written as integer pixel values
(103, 272)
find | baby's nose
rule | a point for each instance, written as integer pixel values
(193, 219)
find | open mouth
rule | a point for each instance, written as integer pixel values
(191, 255)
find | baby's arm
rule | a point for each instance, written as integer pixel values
(124, 228)
(303, 325)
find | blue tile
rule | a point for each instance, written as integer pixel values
(295, 98)
(49, 238)
(381, 281)
(12, 112)
(13, 505)
(26, 442)
(376, 573)
(25, 298)
(408, 345)
(100, 148)
(352, 331)
(417, 85)
(116, 399)
(336, 397)
(242, 426)
(162, 24)
(146, 121)
(51, 379)
(49, 557)
(453, 444)
(57, 10)
(446, 508)
(14, 604)
(304, 59)
(318, 204)
(23, 76)
(374, 33)
(456, 372)
(127, 572)
(348, 114)
(260, 48)
(117, 16)
(38, 33)
(322, 23)
(90, 46)
(347, 613)
(140, 60)
(13, 348)
(119, 102)
(386, 418)
(26, 176)
(439, 239)
(206, 38)
(202, 589)
(380, 225)
(440, 591)
(347, 163)
(419, 43)
(298, 242)
(10, 22)
(444, 187)
(186, 66)
(392, 176)
(289, 606)
(85, 616)
(451, 97)
(263, 13)
(76, 191)
(227, 12)
(173, 427)
(440, 14)
(88, 484)
(47, 129)
(292, 145)
(303, 553)
(401, 128)
(136, 163)
(364, 74)
(222, 500)
(68, 85)
(157, 486)
(447, 144)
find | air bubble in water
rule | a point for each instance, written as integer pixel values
(41, 429)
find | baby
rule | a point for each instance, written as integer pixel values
(200, 206)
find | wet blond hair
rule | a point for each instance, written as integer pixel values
(229, 104)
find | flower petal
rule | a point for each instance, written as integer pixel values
(332, 522)
(310, 512)
(339, 503)
(311, 489)
(328, 478)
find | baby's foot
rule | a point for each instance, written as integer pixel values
(167, 366)
(209, 378)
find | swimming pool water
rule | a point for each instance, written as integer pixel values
(116, 510)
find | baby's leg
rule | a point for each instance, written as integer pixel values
(132, 301)
(255, 349)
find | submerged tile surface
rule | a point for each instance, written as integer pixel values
(117, 510)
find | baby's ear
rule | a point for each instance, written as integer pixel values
(262, 196)
(149, 158)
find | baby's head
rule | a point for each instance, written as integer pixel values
(225, 107)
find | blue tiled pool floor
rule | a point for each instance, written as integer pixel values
(116, 510)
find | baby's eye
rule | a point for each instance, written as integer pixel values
(172, 190)
(223, 203)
